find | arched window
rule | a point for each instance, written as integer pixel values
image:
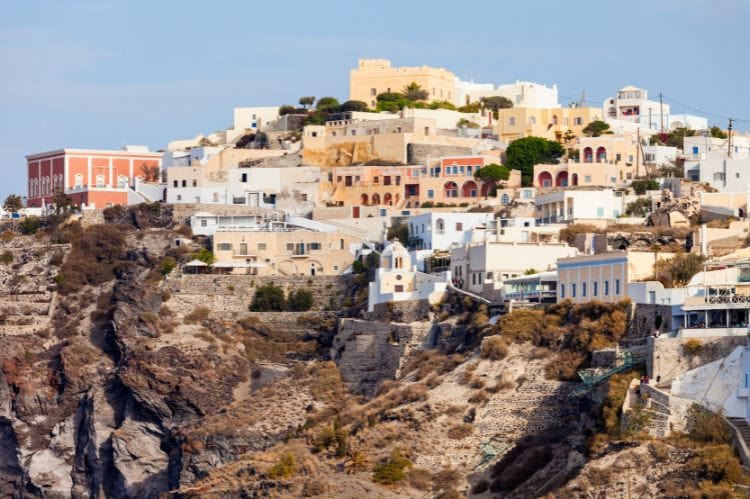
(451, 190)
(505, 199)
(440, 226)
(100, 180)
(601, 155)
(376, 199)
(469, 189)
(532, 120)
(388, 199)
(588, 155)
(545, 179)
(122, 182)
(78, 180)
(562, 179)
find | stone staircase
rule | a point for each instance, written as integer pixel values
(743, 428)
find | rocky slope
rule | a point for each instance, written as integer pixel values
(121, 396)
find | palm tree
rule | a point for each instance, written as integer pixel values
(414, 92)
(358, 461)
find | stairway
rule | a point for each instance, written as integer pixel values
(743, 427)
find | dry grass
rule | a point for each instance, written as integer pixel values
(494, 348)
(460, 431)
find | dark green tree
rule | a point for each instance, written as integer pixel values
(524, 153)
(596, 128)
(13, 203)
(354, 105)
(328, 104)
(306, 102)
(268, 298)
(496, 103)
(300, 300)
(492, 174)
(287, 109)
(717, 132)
(414, 92)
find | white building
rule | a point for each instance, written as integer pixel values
(659, 156)
(245, 120)
(397, 279)
(520, 93)
(204, 223)
(441, 230)
(578, 204)
(632, 104)
(724, 175)
(483, 267)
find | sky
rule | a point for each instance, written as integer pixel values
(102, 74)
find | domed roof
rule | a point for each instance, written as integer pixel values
(393, 247)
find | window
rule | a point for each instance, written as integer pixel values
(719, 176)
(79, 181)
(100, 180)
(122, 182)
(562, 290)
(290, 246)
(179, 197)
(341, 244)
(426, 130)
(618, 156)
(600, 212)
(216, 197)
(244, 177)
(606, 288)
(354, 132)
(440, 226)
(617, 286)
(204, 223)
(224, 247)
(583, 289)
(387, 180)
(512, 121)
(532, 120)
(587, 179)
(430, 194)
(399, 288)
(184, 183)
(243, 248)
(565, 121)
(596, 288)
(573, 290)
(175, 182)
(195, 183)
(459, 227)
(578, 121)
(373, 92)
(314, 246)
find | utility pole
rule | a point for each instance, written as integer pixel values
(661, 112)
(729, 139)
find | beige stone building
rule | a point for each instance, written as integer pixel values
(377, 76)
(284, 250)
(550, 123)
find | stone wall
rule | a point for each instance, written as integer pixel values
(418, 154)
(668, 359)
(644, 319)
(369, 352)
(92, 217)
(232, 294)
(297, 324)
(181, 213)
(401, 311)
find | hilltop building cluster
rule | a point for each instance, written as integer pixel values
(497, 192)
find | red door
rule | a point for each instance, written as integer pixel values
(355, 211)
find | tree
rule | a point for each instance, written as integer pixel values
(717, 132)
(151, 173)
(675, 138)
(496, 103)
(268, 298)
(29, 225)
(300, 300)
(492, 174)
(64, 204)
(472, 108)
(354, 105)
(287, 109)
(13, 203)
(442, 104)
(414, 92)
(640, 186)
(639, 208)
(596, 128)
(328, 104)
(205, 256)
(678, 270)
(467, 123)
(306, 102)
(524, 153)
(398, 231)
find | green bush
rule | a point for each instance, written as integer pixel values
(269, 298)
(167, 265)
(300, 300)
(29, 225)
(285, 468)
(392, 470)
(6, 257)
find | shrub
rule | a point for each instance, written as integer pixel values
(167, 265)
(284, 468)
(269, 298)
(708, 427)
(392, 470)
(29, 225)
(98, 254)
(494, 347)
(479, 398)
(460, 431)
(300, 300)
(198, 315)
(717, 463)
(522, 325)
(6, 257)
(692, 347)
(419, 478)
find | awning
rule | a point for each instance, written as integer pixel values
(196, 263)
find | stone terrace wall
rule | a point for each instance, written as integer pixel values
(401, 311)
(232, 294)
(298, 324)
(418, 154)
(181, 213)
(643, 322)
(667, 358)
(369, 352)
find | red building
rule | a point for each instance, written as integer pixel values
(96, 178)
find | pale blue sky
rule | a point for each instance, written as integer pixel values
(100, 74)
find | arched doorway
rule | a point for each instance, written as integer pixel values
(562, 179)
(388, 199)
(376, 199)
(574, 179)
(545, 179)
(469, 189)
(363, 200)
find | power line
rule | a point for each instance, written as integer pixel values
(706, 113)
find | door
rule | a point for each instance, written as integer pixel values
(355, 211)
(252, 199)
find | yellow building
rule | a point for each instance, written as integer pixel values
(550, 123)
(285, 251)
(377, 76)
